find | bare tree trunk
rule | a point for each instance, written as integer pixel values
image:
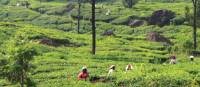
(22, 75)
(71, 24)
(22, 80)
(195, 24)
(93, 29)
(79, 14)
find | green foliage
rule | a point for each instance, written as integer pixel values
(19, 66)
(168, 1)
(54, 65)
(129, 3)
(53, 22)
(18, 54)
(4, 2)
(12, 14)
(122, 21)
(198, 9)
(187, 14)
(154, 79)
(178, 20)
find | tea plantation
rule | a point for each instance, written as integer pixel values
(50, 27)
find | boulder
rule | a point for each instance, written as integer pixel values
(156, 37)
(136, 23)
(161, 17)
(58, 42)
(108, 33)
(54, 42)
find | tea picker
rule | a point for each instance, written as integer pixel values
(83, 75)
(128, 67)
(111, 70)
(191, 58)
(173, 59)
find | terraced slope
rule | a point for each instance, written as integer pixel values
(62, 53)
(59, 66)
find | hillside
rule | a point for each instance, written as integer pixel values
(50, 27)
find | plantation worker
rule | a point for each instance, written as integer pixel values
(173, 59)
(83, 75)
(111, 70)
(128, 67)
(108, 12)
(191, 58)
(18, 4)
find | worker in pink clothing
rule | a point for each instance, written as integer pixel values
(83, 75)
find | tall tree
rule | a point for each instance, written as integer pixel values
(93, 28)
(79, 15)
(195, 3)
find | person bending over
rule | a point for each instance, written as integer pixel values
(83, 75)
(173, 59)
(111, 70)
(128, 67)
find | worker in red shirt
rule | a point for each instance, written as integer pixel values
(83, 75)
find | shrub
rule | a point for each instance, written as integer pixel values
(161, 17)
(178, 20)
(156, 79)
(129, 3)
(197, 78)
(18, 69)
(105, 18)
(121, 21)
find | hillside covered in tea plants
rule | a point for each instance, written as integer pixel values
(42, 36)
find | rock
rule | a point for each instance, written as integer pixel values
(161, 17)
(57, 42)
(108, 33)
(156, 37)
(79, 44)
(136, 23)
(54, 42)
